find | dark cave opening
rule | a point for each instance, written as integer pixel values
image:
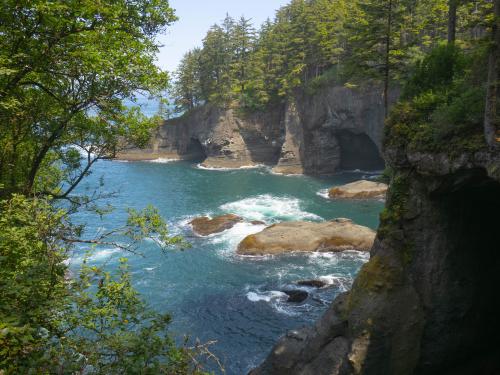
(358, 151)
(195, 151)
(463, 326)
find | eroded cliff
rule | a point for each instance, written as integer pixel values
(426, 302)
(337, 128)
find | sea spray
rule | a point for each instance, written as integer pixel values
(270, 209)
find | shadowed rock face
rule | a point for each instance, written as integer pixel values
(338, 128)
(358, 151)
(427, 301)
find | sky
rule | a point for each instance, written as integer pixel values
(196, 17)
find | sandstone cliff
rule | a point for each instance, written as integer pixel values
(427, 301)
(337, 128)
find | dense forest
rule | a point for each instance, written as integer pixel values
(322, 42)
(67, 66)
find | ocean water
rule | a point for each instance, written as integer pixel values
(212, 293)
(149, 106)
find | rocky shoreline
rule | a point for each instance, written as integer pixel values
(423, 303)
(337, 128)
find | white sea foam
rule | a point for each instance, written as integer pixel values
(355, 255)
(269, 208)
(185, 220)
(222, 169)
(323, 193)
(98, 255)
(161, 160)
(266, 296)
(341, 282)
(104, 254)
(325, 261)
(278, 301)
(233, 236)
(286, 174)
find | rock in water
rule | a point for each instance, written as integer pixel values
(331, 236)
(205, 226)
(296, 296)
(257, 222)
(312, 283)
(362, 189)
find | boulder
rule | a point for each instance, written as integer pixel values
(205, 226)
(330, 236)
(312, 283)
(257, 222)
(362, 189)
(296, 295)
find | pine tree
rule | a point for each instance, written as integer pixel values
(243, 39)
(187, 90)
(492, 112)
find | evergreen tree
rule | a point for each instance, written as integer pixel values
(186, 90)
(314, 42)
(243, 40)
(376, 32)
(492, 112)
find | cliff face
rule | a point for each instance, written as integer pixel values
(427, 301)
(337, 128)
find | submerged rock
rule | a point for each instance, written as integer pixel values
(331, 236)
(257, 222)
(205, 226)
(296, 295)
(426, 302)
(362, 189)
(312, 283)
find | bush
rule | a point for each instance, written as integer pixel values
(93, 322)
(436, 71)
(442, 108)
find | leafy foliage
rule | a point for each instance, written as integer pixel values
(90, 322)
(65, 69)
(443, 109)
(313, 43)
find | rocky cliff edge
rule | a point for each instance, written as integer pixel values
(337, 128)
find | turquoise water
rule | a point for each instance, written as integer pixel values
(212, 293)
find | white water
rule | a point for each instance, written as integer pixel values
(270, 209)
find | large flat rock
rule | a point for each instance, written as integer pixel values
(362, 189)
(331, 236)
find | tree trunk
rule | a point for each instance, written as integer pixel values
(452, 20)
(387, 59)
(492, 115)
